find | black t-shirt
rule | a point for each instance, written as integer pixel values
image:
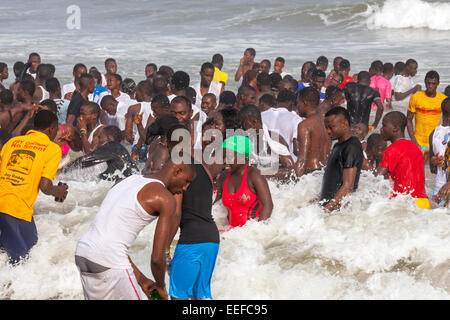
(197, 224)
(359, 101)
(347, 154)
(75, 105)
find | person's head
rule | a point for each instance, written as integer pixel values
(267, 101)
(87, 83)
(128, 86)
(250, 117)
(144, 91)
(180, 175)
(160, 127)
(150, 69)
(3, 71)
(364, 78)
(160, 85)
(160, 105)
(26, 90)
(336, 61)
(46, 122)
(307, 69)
(180, 81)
(5, 135)
(288, 84)
(78, 70)
(445, 106)
(318, 79)
(181, 108)
(250, 78)
(360, 130)
(49, 105)
(97, 76)
(278, 65)
(344, 67)
(217, 61)
(241, 147)
(227, 99)
(209, 103)
(337, 122)
(249, 54)
(307, 100)
(411, 66)
(334, 95)
(263, 81)
(90, 112)
(191, 94)
(222, 120)
(375, 148)
(399, 67)
(447, 91)
(322, 63)
(6, 98)
(393, 126)
(18, 67)
(35, 60)
(376, 68)
(113, 82)
(264, 66)
(168, 70)
(53, 87)
(206, 74)
(336, 79)
(431, 82)
(110, 134)
(44, 72)
(388, 70)
(275, 79)
(109, 104)
(246, 95)
(110, 66)
(286, 99)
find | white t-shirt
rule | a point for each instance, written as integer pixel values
(117, 224)
(214, 87)
(283, 121)
(198, 129)
(282, 74)
(122, 98)
(441, 136)
(402, 84)
(118, 119)
(146, 108)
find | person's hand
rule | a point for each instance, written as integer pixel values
(418, 87)
(68, 96)
(162, 292)
(242, 61)
(81, 124)
(147, 286)
(61, 191)
(438, 160)
(168, 263)
(444, 193)
(138, 118)
(135, 155)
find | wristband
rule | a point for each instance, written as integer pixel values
(83, 132)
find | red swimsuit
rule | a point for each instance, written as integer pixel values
(243, 204)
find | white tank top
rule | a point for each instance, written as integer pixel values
(91, 136)
(117, 224)
(45, 94)
(440, 139)
(146, 108)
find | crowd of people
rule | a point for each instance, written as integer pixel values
(174, 148)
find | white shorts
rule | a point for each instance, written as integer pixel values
(112, 284)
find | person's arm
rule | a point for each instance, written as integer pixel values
(348, 181)
(378, 114)
(240, 70)
(409, 125)
(304, 144)
(382, 171)
(85, 144)
(145, 283)
(130, 119)
(402, 95)
(432, 157)
(263, 193)
(444, 193)
(47, 187)
(18, 130)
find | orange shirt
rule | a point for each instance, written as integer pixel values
(427, 114)
(24, 161)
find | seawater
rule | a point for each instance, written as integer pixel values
(374, 248)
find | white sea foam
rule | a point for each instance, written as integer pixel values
(410, 14)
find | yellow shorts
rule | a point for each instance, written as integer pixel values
(423, 203)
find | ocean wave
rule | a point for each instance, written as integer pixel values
(399, 14)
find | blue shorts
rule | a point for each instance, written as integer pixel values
(17, 236)
(191, 270)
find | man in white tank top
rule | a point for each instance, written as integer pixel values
(107, 272)
(438, 142)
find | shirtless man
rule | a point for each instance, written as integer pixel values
(333, 98)
(106, 269)
(245, 95)
(313, 141)
(89, 126)
(246, 63)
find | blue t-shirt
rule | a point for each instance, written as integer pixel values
(302, 86)
(97, 91)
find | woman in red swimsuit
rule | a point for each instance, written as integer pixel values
(245, 191)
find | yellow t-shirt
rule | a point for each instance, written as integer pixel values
(24, 160)
(427, 114)
(220, 76)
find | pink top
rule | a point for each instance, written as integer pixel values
(383, 86)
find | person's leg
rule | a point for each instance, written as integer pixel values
(17, 236)
(208, 263)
